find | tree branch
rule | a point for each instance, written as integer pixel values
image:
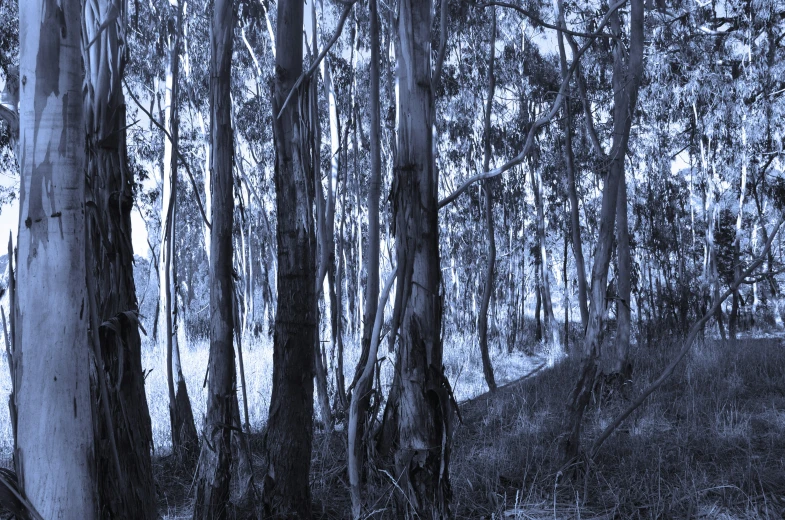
(320, 57)
(539, 21)
(540, 122)
(437, 70)
(595, 140)
(179, 155)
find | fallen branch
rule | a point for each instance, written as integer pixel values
(696, 328)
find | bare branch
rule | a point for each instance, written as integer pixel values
(539, 21)
(179, 155)
(595, 141)
(320, 57)
(541, 121)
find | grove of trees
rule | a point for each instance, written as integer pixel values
(364, 187)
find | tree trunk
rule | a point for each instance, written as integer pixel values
(551, 325)
(619, 357)
(565, 278)
(55, 450)
(109, 191)
(482, 325)
(733, 320)
(572, 192)
(323, 240)
(424, 415)
(358, 409)
(626, 79)
(290, 423)
(537, 299)
(185, 441)
(212, 488)
(324, 216)
(362, 396)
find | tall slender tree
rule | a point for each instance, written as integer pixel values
(361, 398)
(482, 320)
(185, 441)
(627, 73)
(109, 199)
(55, 450)
(290, 423)
(572, 192)
(212, 493)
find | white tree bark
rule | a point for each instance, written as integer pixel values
(55, 429)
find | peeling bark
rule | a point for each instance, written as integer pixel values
(109, 193)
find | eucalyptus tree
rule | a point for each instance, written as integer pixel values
(363, 382)
(123, 432)
(185, 441)
(212, 493)
(570, 167)
(482, 321)
(421, 426)
(290, 422)
(627, 73)
(55, 445)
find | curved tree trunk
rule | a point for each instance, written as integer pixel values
(55, 450)
(572, 192)
(551, 325)
(626, 79)
(322, 243)
(362, 383)
(290, 424)
(482, 324)
(212, 488)
(109, 191)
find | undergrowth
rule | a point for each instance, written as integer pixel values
(708, 444)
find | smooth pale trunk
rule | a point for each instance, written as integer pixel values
(55, 461)
(482, 321)
(364, 372)
(626, 79)
(183, 429)
(552, 327)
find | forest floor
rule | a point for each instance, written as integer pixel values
(708, 444)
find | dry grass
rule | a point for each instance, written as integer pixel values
(706, 445)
